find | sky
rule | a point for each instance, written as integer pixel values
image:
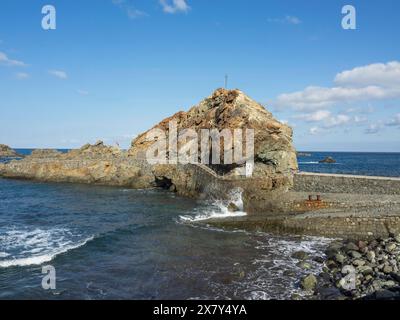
(113, 68)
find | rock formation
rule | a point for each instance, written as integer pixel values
(7, 152)
(328, 160)
(232, 109)
(274, 157)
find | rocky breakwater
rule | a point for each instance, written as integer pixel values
(91, 164)
(358, 270)
(7, 152)
(224, 111)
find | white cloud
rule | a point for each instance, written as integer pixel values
(335, 121)
(372, 82)
(319, 97)
(394, 122)
(58, 74)
(286, 20)
(314, 116)
(129, 9)
(174, 6)
(377, 74)
(21, 76)
(5, 60)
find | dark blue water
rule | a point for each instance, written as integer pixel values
(112, 243)
(359, 163)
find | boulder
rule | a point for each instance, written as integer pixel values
(309, 282)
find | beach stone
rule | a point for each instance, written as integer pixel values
(387, 269)
(368, 278)
(362, 245)
(355, 254)
(352, 246)
(346, 284)
(365, 270)
(309, 282)
(390, 247)
(340, 258)
(371, 256)
(358, 262)
(397, 238)
(304, 265)
(300, 255)
(347, 269)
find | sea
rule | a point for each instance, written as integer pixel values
(117, 243)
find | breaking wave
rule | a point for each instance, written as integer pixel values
(35, 247)
(220, 209)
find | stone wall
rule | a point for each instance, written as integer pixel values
(355, 227)
(335, 183)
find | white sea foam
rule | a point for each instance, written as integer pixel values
(275, 259)
(308, 162)
(219, 209)
(34, 247)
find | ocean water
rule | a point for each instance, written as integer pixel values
(115, 243)
(358, 163)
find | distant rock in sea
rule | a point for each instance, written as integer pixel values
(328, 160)
(7, 152)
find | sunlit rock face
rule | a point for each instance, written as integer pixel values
(232, 109)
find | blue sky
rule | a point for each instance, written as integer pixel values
(113, 68)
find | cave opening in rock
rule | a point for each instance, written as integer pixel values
(164, 183)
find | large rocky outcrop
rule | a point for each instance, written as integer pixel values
(7, 152)
(274, 155)
(232, 109)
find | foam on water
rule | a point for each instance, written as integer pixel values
(219, 209)
(23, 247)
(309, 162)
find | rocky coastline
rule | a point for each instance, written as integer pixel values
(276, 197)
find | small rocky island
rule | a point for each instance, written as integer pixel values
(328, 160)
(7, 152)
